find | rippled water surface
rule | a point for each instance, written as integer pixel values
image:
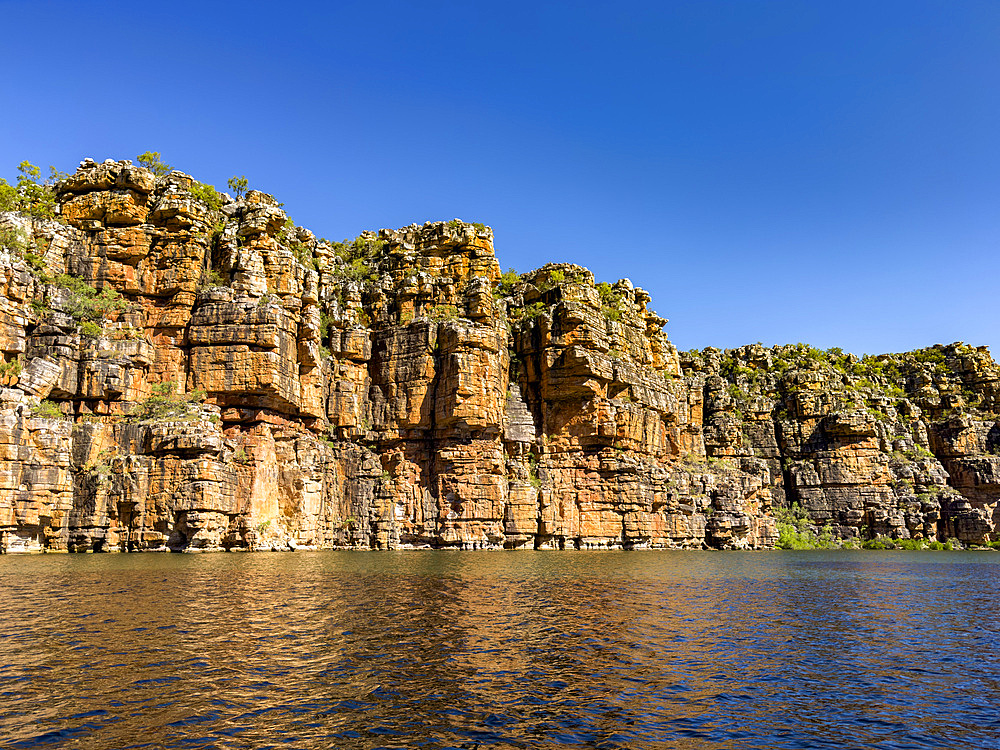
(493, 649)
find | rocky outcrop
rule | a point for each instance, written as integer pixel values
(904, 446)
(185, 370)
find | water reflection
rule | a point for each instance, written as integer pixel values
(438, 649)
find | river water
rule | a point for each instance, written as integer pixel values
(442, 649)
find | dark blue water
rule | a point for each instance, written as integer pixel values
(516, 649)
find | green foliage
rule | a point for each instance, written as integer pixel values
(206, 194)
(12, 240)
(8, 196)
(794, 531)
(360, 257)
(166, 405)
(611, 300)
(211, 278)
(241, 457)
(533, 477)
(528, 312)
(551, 278)
(48, 410)
(90, 328)
(12, 367)
(30, 195)
(356, 269)
(458, 224)
(87, 304)
(36, 262)
(443, 312)
(303, 253)
(325, 326)
(507, 281)
(931, 355)
(238, 185)
(879, 543)
(152, 161)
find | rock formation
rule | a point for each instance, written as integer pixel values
(185, 370)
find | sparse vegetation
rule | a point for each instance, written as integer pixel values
(165, 404)
(528, 312)
(152, 161)
(239, 186)
(30, 194)
(359, 257)
(207, 194)
(86, 305)
(443, 312)
(12, 367)
(458, 224)
(507, 282)
(795, 531)
(611, 300)
(533, 477)
(211, 278)
(48, 410)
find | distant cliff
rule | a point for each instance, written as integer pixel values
(187, 370)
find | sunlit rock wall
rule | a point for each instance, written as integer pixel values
(184, 370)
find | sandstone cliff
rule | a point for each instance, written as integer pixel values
(186, 370)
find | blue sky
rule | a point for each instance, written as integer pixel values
(825, 172)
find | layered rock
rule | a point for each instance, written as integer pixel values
(187, 371)
(904, 446)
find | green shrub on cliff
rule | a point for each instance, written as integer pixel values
(359, 257)
(30, 195)
(87, 304)
(611, 300)
(528, 312)
(443, 312)
(12, 240)
(794, 531)
(48, 410)
(507, 281)
(152, 161)
(458, 224)
(166, 405)
(12, 367)
(206, 194)
(239, 186)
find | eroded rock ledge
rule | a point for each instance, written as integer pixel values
(250, 386)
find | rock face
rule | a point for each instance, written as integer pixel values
(187, 371)
(900, 445)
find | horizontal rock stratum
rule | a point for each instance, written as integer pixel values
(184, 370)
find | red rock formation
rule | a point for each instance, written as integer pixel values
(187, 371)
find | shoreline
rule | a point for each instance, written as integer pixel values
(313, 548)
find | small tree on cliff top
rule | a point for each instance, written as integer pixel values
(30, 195)
(238, 185)
(152, 161)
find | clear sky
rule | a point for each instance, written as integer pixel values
(825, 172)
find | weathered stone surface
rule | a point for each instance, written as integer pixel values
(903, 446)
(229, 380)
